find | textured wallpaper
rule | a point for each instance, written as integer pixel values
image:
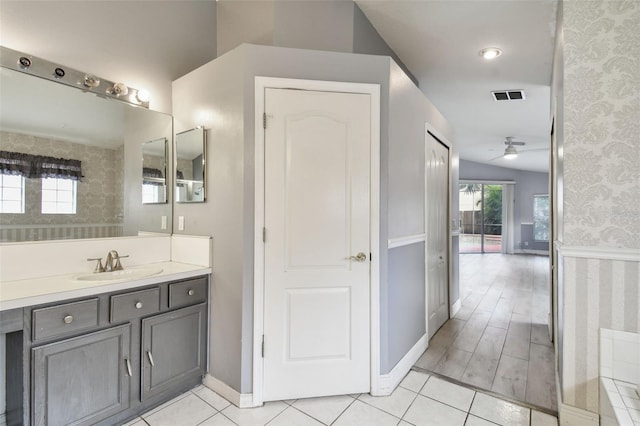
(602, 123)
(99, 193)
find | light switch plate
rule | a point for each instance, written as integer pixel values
(180, 223)
(163, 222)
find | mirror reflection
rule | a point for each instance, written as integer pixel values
(190, 166)
(154, 171)
(43, 120)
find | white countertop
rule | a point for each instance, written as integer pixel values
(35, 291)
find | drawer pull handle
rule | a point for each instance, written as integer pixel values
(67, 319)
(191, 292)
(128, 364)
(150, 358)
(138, 305)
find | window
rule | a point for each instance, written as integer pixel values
(11, 194)
(541, 217)
(58, 196)
(151, 193)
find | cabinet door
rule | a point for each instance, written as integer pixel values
(173, 349)
(82, 380)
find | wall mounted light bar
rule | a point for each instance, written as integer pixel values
(42, 68)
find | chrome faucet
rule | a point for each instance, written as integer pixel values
(111, 257)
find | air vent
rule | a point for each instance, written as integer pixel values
(508, 95)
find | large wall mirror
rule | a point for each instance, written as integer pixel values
(102, 138)
(191, 149)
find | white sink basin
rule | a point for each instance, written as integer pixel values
(125, 274)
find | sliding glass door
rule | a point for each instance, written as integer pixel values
(480, 218)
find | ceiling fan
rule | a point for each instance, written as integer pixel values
(510, 151)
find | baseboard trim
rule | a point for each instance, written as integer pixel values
(388, 382)
(574, 416)
(240, 400)
(455, 308)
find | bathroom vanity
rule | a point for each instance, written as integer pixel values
(106, 357)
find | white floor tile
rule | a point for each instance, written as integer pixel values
(631, 402)
(168, 403)
(212, 398)
(136, 422)
(189, 410)
(414, 381)
(361, 414)
(448, 393)
(325, 409)
(477, 421)
(427, 412)
(499, 411)
(291, 416)
(255, 416)
(542, 419)
(395, 404)
(217, 420)
(403, 423)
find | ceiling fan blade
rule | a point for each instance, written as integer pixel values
(499, 156)
(533, 150)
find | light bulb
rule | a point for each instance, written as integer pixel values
(490, 53)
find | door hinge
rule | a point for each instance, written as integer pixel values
(264, 120)
(264, 235)
(370, 257)
(263, 346)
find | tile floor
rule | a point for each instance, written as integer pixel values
(420, 400)
(499, 340)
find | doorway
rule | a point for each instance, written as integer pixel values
(481, 221)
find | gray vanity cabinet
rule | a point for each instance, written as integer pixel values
(173, 349)
(82, 380)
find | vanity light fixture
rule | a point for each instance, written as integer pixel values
(32, 65)
(118, 89)
(91, 81)
(489, 53)
(143, 96)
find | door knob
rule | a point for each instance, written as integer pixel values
(360, 257)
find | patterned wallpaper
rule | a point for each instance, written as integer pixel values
(602, 123)
(99, 192)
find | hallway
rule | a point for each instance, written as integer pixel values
(499, 339)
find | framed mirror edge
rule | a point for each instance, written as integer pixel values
(176, 192)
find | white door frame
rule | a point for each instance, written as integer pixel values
(428, 128)
(262, 83)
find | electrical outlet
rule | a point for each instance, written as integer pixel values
(526, 243)
(180, 223)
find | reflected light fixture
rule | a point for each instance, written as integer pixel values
(490, 53)
(118, 89)
(143, 96)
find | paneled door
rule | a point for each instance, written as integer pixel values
(317, 244)
(437, 209)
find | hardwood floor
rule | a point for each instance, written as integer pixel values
(499, 338)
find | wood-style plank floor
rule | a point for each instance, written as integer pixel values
(499, 338)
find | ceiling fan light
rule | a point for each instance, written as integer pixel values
(510, 152)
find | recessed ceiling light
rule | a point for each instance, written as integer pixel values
(490, 53)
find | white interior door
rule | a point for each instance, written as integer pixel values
(437, 200)
(317, 221)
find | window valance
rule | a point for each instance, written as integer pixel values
(152, 176)
(39, 166)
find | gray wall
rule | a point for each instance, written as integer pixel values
(225, 87)
(331, 25)
(527, 184)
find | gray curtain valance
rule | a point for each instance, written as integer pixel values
(150, 175)
(39, 166)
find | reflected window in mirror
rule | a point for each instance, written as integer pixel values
(11, 194)
(191, 166)
(154, 171)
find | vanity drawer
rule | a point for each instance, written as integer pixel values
(135, 304)
(63, 319)
(188, 292)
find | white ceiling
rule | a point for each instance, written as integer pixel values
(440, 41)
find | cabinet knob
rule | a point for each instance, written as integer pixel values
(67, 319)
(191, 292)
(138, 305)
